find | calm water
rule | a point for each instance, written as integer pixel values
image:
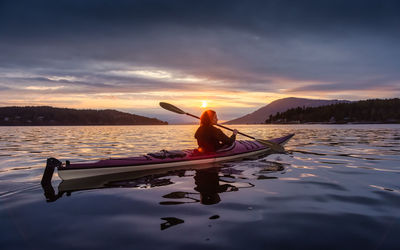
(338, 187)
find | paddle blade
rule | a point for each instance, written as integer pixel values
(276, 147)
(175, 195)
(171, 108)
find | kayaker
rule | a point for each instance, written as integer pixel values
(210, 138)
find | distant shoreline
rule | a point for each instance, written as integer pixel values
(50, 116)
(326, 123)
(371, 111)
(84, 125)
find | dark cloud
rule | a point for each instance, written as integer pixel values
(116, 85)
(41, 17)
(242, 45)
(344, 86)
(3, 88)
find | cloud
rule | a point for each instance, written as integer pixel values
(131, 47)
(377, 83)
(272, 16)
(4, 88)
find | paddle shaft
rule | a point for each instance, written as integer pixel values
(251, 137)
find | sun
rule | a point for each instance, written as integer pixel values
(204, 104)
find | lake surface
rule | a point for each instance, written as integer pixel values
(338, 187)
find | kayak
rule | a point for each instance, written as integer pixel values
(164, 159)
(206, 177)
(160, 160)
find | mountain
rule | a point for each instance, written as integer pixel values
(280, 105)
(44, 115)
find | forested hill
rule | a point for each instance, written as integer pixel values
(367, 111)
(280, 105)
(43, 115)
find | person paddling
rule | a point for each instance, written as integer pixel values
(210, 138)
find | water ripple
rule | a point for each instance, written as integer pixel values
(339, 182)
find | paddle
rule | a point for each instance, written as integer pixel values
(274, 146)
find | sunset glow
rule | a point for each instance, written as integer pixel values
(240, 67)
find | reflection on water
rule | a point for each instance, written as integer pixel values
(210, 182)
(170, 221)
(340, 182)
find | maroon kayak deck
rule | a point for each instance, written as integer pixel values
(165, 159)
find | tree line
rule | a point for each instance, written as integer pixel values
(44, 115)
(365, 111)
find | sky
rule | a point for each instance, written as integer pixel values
(236, 56)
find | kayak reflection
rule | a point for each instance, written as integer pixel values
(210, 182)
(139, 179)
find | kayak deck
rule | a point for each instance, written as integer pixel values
(238, 150)
(188, 155)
